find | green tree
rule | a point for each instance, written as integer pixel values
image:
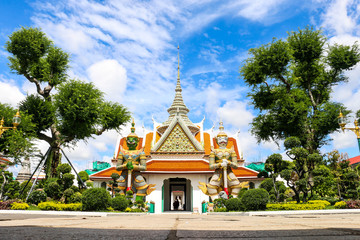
(299, 172)
(291, 80)
(76, 112)
(346, 178)
(9, 188)
(84, 177)
(17, 144)
(274, 165)
(113, 183)
(324, 181)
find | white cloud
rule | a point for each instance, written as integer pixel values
(236, 114)
(110, 77)
(343, 140)
(10, 93)
(341, 16)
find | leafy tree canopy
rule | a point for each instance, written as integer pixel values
(291, 81)
(77, 111)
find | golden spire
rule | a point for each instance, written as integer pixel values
(178, 78)
(132, 133)
(221, 130)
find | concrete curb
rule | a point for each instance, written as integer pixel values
(294, 212)
(259, 213)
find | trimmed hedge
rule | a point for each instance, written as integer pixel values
(340, 205)
(37, 197)
(19, 206)
(295, 206)
(119, 203)
(60, 206)
(254, 199)
(95, 199)
(233, 204)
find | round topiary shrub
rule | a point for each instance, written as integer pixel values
(119, 203)
(94, 199)
(255, 199)
(233, 204)
(37, 197)
(76, 197)
(53, 190)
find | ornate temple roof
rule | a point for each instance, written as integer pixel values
(178, 107)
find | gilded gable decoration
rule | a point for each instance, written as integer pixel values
(177, 141)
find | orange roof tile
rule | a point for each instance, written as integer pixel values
(178, 166)
(207, 143)
(354, 160)
(106, 173)
(244, 172)
(197, 136)
(148, 141)
(183, 166)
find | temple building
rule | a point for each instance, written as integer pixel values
(177, 158)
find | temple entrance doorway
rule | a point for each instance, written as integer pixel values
(177, 194)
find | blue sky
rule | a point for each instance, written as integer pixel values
(129, 50)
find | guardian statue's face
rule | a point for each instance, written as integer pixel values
(132, 142)
(222, 141)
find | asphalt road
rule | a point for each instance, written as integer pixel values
(180, 226)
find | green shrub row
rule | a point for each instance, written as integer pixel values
(295, 206)
(60, 206)
(327, 203)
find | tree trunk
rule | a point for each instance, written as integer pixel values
(52, 161)
(2, 185)
(275, 189)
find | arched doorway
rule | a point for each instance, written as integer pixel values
(177, 190)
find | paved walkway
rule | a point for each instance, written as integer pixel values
(327, 225)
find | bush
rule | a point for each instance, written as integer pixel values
(52, 189)
(6, 205)
(76, 198)
(319, 201)
(37, 197)
(353, 204)
(241, 193)
(128, 209)
(68, 193)
(340, 205)
(295, 206)
(255, 199)
(19, 206)
(136, 210)
(219, 203)
(119, 203)
(331, 200)
(60, 206)
(95, 199)
(222, 209)
(233, 204)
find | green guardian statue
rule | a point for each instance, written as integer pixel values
(131, 162)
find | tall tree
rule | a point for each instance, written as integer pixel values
(77, 111)
(291, 81)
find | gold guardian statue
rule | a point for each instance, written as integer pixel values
(222, 160)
